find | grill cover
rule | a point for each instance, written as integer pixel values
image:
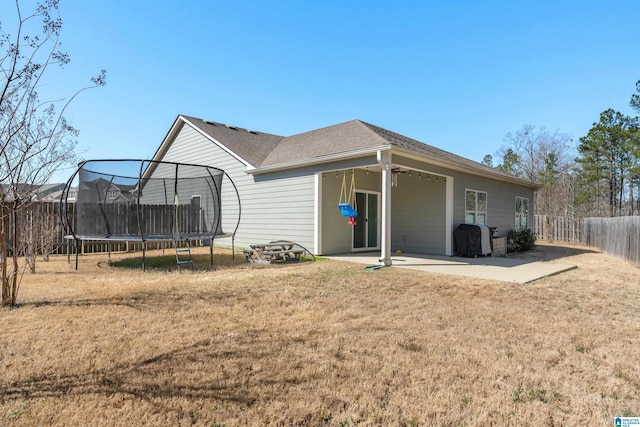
(473, 240)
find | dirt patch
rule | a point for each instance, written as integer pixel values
(324, 343)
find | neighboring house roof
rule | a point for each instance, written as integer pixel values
(45, 189)
(121, 198)
(57, 195)
(52, 197)
(21, 189)
(35, 192)
(265, 152)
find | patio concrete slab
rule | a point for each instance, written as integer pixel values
(491, 268)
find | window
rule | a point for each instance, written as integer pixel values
(522, 213)
(112, 194)
(475, 207)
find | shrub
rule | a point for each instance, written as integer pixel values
(522, 240)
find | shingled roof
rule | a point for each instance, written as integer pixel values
(341, 138)
(266, 151)
(409, 144)
(250, 145)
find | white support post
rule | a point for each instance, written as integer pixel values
(384, 159)
(449, 216)
(317, 216)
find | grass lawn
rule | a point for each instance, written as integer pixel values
(324, 343)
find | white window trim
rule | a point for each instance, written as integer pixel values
(517, 214)
(486, 216)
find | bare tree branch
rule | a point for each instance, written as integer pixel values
(35, 137)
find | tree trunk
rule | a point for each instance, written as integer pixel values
(621, 196)
(4, 235)
(31, 247)
(9, 270)
(612, 195)
(549, 227)
(14, 258)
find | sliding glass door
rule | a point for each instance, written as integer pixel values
(366, 231)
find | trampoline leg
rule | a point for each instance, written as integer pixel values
(144, 247)
(77, 252)
(233, 247)
(211, 251)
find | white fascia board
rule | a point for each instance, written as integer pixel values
(164, 146)
(319, 160)
(220, 145)
(166, 142)
(462, 168)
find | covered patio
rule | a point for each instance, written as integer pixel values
(418, 218)
(502, 269)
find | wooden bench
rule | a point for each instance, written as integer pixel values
(283, 254)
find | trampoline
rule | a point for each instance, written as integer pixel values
(149, 201)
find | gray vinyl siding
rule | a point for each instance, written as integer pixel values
(337, 235)
(418, 215)
(501, 201)
(280, 206)
(418, 212)
(501, 195)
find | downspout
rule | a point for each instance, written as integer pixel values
(384, 160)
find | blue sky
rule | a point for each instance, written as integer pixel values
(456, 75)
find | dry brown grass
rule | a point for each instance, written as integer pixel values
(323, 343)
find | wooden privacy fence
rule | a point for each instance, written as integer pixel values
(41, 222)
(39, 229)
(564, 229)
(119, 219)
(618, 237)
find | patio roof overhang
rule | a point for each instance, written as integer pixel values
(330, 158)
(371, 151)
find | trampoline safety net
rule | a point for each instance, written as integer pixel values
(146, 200)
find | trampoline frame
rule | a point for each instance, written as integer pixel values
(142, 237)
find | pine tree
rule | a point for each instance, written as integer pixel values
(608, 157)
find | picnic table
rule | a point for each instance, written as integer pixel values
(280, 250)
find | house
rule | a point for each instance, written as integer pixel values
(55, 196)
(107, 192)
(47, 192)
(410, 196)
(32, 192)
